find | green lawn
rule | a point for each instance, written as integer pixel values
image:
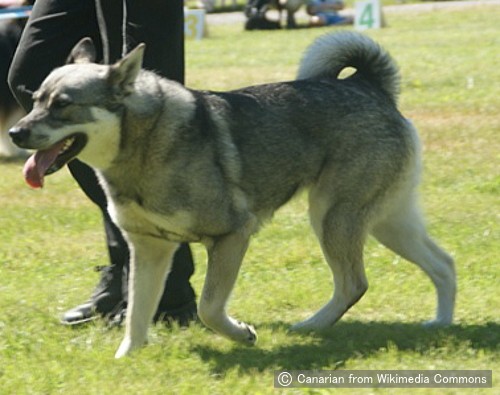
(52, 239)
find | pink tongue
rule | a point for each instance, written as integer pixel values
(36, 166)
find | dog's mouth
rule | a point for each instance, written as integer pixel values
(50, 160)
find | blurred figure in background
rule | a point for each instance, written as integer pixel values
(325, 13)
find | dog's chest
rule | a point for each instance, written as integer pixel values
(134, 218)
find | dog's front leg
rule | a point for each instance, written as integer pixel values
(150, 263)
(224, 261)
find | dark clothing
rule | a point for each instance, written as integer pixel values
(53, 28)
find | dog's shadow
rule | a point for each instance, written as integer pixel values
(348, 340)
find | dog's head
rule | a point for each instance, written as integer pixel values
(77, 113)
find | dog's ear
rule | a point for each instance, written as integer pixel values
(82, 52)
(122, 74)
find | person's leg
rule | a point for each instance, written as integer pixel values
(160, 25)
(52, 30)
(255, 11)
(254, 7)
(178, 302)
(109, 296)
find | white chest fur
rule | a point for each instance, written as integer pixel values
(135, 219)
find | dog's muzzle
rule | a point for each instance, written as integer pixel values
(20, 136)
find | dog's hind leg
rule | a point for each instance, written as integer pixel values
(149, 267)
(224, 260)
(341, 232)
(403, 231)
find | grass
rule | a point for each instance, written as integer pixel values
(52, 239)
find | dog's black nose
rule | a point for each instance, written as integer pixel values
(19, 135)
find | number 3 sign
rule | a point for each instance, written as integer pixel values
(194, 24)
(368, 15)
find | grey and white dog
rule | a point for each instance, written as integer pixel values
(180, 165)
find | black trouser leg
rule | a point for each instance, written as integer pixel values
(51, 32)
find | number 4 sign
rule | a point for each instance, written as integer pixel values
(368, 15)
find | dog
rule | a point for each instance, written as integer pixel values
(10, 111)
(181, 165)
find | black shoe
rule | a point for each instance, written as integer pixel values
(88, 312)
(79, 315)
(106, 300)
(183, 315)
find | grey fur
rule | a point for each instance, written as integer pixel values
(185, 165)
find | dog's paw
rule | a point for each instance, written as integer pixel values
(124, 349)
(436, 323)
(302, 327)
(249, 334)
(316, 323)
(127, 346)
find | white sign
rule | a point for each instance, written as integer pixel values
(368, 15)
(194, 24)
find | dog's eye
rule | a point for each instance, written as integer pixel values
(61, 102)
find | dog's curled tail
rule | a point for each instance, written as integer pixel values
(331, 53)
